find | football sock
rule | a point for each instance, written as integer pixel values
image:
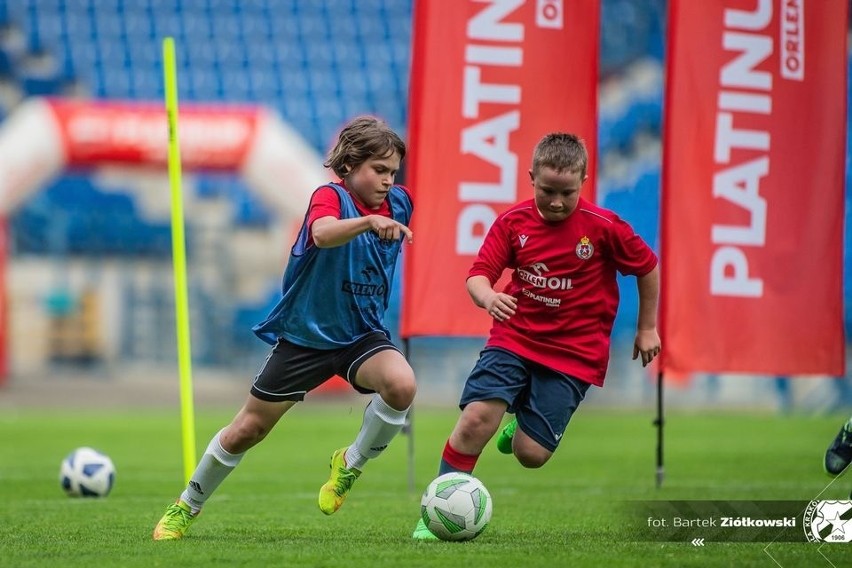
(381, 423)
(453, 460)
(212, 469)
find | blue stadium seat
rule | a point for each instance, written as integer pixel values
(7, 66)
(259, 54)
(249, 211)
(35, 86)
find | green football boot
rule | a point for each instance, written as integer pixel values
(175, 522)
(333, 493)
(504, 439)
(421, 532)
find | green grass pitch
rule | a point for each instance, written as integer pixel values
(265, 514)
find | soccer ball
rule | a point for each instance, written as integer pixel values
(87, 473)
(456, 506)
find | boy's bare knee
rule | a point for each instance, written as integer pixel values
(400, 393)
(532, 458)
(478, 424)
(247, 431)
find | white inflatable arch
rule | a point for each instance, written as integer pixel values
(43, 137)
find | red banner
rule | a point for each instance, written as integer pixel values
(98, 132)
(753, 186)
(489, 79)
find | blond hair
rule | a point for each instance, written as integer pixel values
(561, 151)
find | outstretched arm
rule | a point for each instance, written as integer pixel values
(328, 232)
(647, 342)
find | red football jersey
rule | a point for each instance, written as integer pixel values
(565, 283)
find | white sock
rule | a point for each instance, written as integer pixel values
(212, 469)
(381, 424)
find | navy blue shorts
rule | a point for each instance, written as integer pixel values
(543, 400)
(291, 371)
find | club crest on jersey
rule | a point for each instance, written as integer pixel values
(585, 249)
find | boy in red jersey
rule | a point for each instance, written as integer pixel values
(552, 323)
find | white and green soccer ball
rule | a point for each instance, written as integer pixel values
(456, 506)
(86, 472)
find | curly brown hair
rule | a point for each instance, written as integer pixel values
(362, 138)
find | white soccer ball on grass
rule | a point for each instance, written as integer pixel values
(456, 506)
(86, 472)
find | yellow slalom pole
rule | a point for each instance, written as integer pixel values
(184, 350)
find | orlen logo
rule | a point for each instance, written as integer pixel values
(793, 39)
(549, 14)
(535, 275)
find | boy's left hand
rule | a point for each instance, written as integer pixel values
(647, 344)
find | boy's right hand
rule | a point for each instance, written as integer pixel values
(389, 230)
(501, 306)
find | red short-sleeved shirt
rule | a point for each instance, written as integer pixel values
(565, 282)
(326, 203)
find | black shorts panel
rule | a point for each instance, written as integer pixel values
(291, 371)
